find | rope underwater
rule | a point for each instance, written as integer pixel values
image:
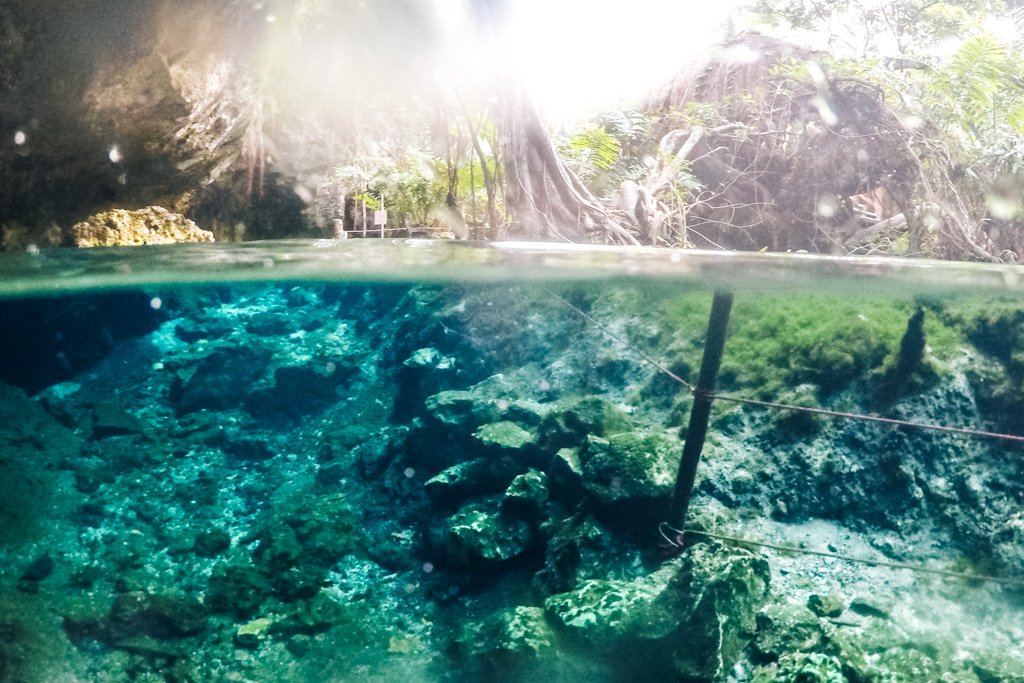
(676, 543)
(705, 394)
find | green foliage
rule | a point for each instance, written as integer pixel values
(980, 88)
(594, 148)
(610, 149)
(412, 188)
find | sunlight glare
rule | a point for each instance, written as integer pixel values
(577, 58)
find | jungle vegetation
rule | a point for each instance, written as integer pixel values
(896, 130)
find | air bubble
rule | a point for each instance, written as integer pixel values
(155, 303)
(827, 207)
(20, 138)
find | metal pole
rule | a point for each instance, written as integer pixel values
(703, 396)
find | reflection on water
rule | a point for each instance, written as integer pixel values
(455, 469)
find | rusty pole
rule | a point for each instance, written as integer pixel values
(703, 396)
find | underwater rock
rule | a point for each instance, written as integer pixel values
(527, 495)
(250, 634)
(803, 667)
(298, 391)
(693, 617)
(211, 543)
(111, 418)
(152, 225)
(785, 627)
(221, 380)
(479, 533)
(476, 477)
(829, 606)
(156, 616)
(238, 589)
(638, 469)
(32, 446)
(504, 437)
(209, 328)
(315, 616)
(570, 422)
(507, 642)
(462, 411)
(37, 570)
(579, 548)
(425, 372)
(565, 474)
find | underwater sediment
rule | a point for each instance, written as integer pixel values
(452, 483)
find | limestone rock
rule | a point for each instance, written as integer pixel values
(476, 477)
(570, 421)
(504, 436)
(156, 616)
(785, 627)
(630, 467)
(507, 641)
(803, 668)
(480, 533)
(238, 589)
(527, 494)
(462, 411)
(152, 225)
(221, 380)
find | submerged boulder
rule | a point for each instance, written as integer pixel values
(631, 469)
(801, 667)
(508, 642)
(691, 619)
(481, 533)
(476, 477)
(570, 422)
(152, 225)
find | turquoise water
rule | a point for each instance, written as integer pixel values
(427, 461)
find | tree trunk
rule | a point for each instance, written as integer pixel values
(547, 200)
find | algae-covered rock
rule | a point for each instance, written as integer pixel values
(527, 494)
(476, 477)
(831, 605)
(156, 616)
(462, 411)
(786, 628)
(630, 467)
(801, 667)
(252, 633)
(152, 225)
(221, 380)
(565, 474)
(690, 619)
(238, 589)
(504, 436)
(569, 422)
(482, 533)
(507, 641)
